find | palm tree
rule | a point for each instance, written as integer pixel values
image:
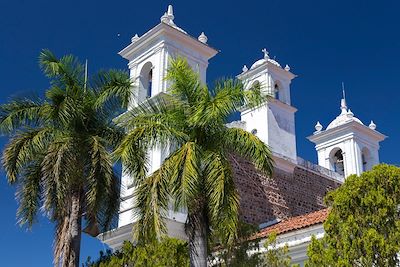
(197, 176)
(59, 151)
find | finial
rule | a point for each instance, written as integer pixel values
(203, 38)
(264, 50)
(318, 127)
(343, 106)
(343, 91)
(170, 12)
(372, 125)
(164, 18)
(168, 16)
(287, 68)
(244, 69)
(350, 114)
(134, 38)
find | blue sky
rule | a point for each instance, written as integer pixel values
(324, 42)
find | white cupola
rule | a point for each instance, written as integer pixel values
(274, 122)
(149, 55)
(347, 146)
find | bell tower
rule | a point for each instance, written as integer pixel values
(148, 58)
(347, 146)
(274, 122)
(150, 54)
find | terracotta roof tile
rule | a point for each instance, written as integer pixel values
(294, 223)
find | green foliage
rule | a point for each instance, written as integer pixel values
(167, 252)
(197, 176)
(276, 256)
(237, 254)
(363, 226)
(60, 147)
(246, 251)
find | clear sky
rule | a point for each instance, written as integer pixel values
(324, 42)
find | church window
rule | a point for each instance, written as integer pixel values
(146, 82)
(276, 91)
(337, 162)
(365, 158)
(150, 84)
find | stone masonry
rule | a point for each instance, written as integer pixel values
(284, 195)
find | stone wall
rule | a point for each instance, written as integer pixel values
(283, 195)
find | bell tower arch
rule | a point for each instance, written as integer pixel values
(347, 146)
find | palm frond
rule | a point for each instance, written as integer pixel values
(228, 96)
(134, 157)
(150, 208)
(28, 194)
(185, 83)
(65, 72)
(222, 195)
(21, 113)
(249, 146)
(58, 178)
(102, 196)
(23, 148)
(113, 87)
(183, 169)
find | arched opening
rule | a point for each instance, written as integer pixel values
(276, 91)
(146, 82)
(336, 161)
(366, 159)
(150, 84)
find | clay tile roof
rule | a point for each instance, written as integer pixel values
(294, 223)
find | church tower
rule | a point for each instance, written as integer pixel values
(347, 146)
(148, 59)
(274, 122)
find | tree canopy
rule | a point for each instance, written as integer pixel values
(363, 226)
(158, 253)
(59, 153)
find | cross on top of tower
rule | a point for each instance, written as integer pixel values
(266, 53)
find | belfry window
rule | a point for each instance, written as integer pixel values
(364, 163)
(276, 91)
(150, 84)
(337, 162)
(366, 159)
(146, 82)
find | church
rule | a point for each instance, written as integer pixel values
(290, 202)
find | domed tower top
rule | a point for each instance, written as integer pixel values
(347, 146)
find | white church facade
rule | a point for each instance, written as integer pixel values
(293, 199)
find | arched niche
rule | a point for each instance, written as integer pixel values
(336, 160)
(146, 82)
(366, 159)
(278, 91)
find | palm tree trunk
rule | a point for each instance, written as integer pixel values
(73, 246)
(198, 246)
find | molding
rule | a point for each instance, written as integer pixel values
(279, 71)
(163, 29)
(351, 127)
